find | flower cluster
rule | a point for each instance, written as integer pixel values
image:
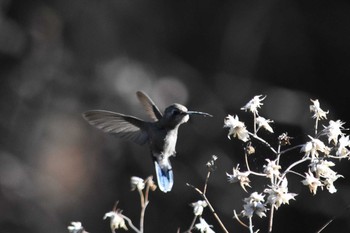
(330, 143)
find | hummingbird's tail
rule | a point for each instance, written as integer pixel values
(165, 177)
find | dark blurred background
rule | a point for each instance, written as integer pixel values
(60, 58)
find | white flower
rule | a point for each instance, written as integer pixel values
(203, 226)
(262, 122)
(278, 195)
(254, 104)
(137, 183)
(312, 147)
(319, 114)
(254, 204)
(236, 128)
(271, 169)
(312, 182)
(236, 176)
(76, 227)
(342, 149)
(328, 182)
(117, 220)
(322, 168)
(326, 175)
(330, 187)
(333, 130)
(211, 163)
(198, 207)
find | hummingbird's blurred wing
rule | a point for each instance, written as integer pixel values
(117, 124)
(151, 109)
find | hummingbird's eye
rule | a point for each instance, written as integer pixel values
(176, 112)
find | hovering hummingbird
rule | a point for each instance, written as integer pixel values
(160, 133)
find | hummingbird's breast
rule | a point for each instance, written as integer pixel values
(163, 142)
(169, 144)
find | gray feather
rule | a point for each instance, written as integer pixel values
(150, 107)
(117, 124)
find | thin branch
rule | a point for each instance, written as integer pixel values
(246, 160)
(206, 182)
(257, 173)
(255, 131)
(325, 225)
(291, 166)
(210, 207)
(192, 224)
(142, 215)
(263, 141)
(297, 173)
(251, 230)
(316, 126)
(239, 220)
(333, 218)
(289, 149)
(144, 203)
(271, 218)
(130, 223)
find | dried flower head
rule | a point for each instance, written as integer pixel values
(311, 181)
(254, 204)
(203, 226)
(264, 123)
(342, 149)
(198, 207)
(271, 169)
(284, 139)
(319, 114)
(76, 227)
(278, 194)
(333, 130)
(116, 219)
(249, 149)
(137, 183)
(324, 173)
(236, 128)
(311, 148)
(237, 176)
(254, 104)
(211, 163)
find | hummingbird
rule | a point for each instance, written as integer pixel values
(160, 133)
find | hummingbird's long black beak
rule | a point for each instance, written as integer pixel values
(199, 113)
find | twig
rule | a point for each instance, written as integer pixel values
(289, 149)
(192, 224)
(263, 141)
(206, 182)
(271, 218)
(290, 167)
(210, 207)
(246, 160)
(130, 223)
(239, 220)
(325, 225)
(144, 203)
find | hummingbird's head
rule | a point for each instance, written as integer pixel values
(176, 114)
